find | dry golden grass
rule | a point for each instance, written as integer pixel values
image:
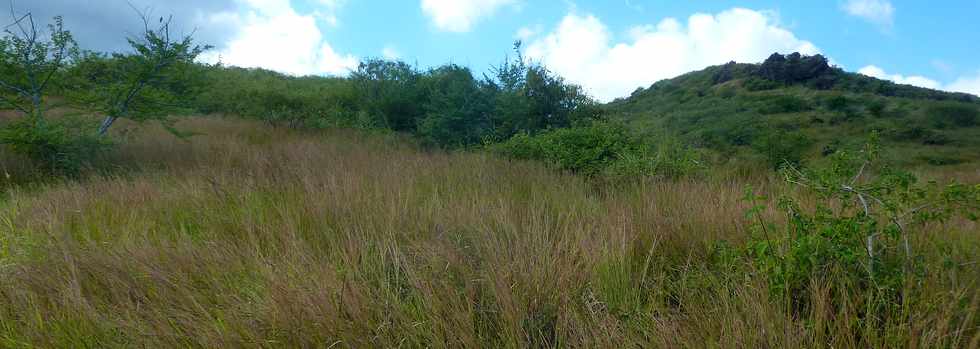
(258, 237)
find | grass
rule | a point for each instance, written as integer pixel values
(258, 237)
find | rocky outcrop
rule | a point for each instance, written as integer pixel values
(794, 68)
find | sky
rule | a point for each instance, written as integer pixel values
(609, 47)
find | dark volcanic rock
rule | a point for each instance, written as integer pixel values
(725, 74)
(796, 68)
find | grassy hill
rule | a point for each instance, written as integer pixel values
(253, 236)
(800, 108)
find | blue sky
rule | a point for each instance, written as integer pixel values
(610, 47)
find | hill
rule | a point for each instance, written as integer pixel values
(253, 236)
(800, 108)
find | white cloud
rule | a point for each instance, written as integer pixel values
(390, 53)
(967, 84)
(582, 49)
(460, 15)
(329, 12)
(527, 33)
(920, 81)
(880, 12)
(272, 35)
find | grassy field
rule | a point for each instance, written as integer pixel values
(258, 237)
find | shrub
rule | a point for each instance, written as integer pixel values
(858, 233)
(605, 149)
(783, 104)
(947, 114)
(837, 102)
(584, 149)
(759, 84)
(782, 147)
(876, 107)
(59, 148)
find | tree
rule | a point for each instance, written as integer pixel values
(457, 112)
(29, 62)
(530, 99)
(149, 83)
(390, 91)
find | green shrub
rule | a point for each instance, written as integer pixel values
(782, 147)
(605, 149)
(837, 102)
(858, 233)
(64, 147)
(876, 107)
(783, 104)
(759, 84)
(947, 114)
(584, 149)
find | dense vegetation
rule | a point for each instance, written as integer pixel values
(794, 108)
(256, 236)
(403, 206)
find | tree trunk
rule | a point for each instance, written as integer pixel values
(104, 128)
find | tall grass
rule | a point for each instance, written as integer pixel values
(257, 237)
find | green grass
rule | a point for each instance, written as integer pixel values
(259, 237)
(731, 118)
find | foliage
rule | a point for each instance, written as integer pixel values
(859, 229)
(735, 112)
(586, 149)
(281, 100)
(602, 148)
(30, 62)
(150, 83)
(445, 106)
(531, 99)
(390, 91)
(61, 147)
(458, 111)
(946, 114)
(782, 148)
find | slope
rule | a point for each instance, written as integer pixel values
(798, 108)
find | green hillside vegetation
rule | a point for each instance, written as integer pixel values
(796, 108)
(149, 200)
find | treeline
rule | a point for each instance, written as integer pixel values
(446, 106)
(519, 109)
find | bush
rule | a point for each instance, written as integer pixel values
(604, 149)
(876, 107)
(585, 149)
(759, 84)
(782, 147)
(783, 104)
(947, 114)
(858, 233)
(60, 148)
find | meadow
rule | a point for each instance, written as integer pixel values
(250, 235)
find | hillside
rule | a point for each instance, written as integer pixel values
(253, 236)
(800, 108)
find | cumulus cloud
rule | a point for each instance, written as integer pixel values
(390, 53)
(920, 81)
(965, 84)
(272, 35)
(460, 15)
(583, 50)
(526, 33)
(880, 12)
